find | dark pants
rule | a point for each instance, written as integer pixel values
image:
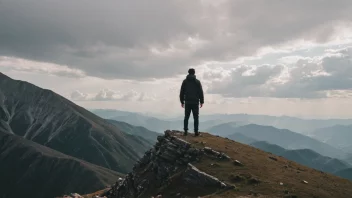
(194, 108)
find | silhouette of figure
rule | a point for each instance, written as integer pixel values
(191, 95)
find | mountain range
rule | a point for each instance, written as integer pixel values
(49, 142)
(304, 126)
(49, 119)
(248, 134)
(148, 122)
(139, 131)
(281, 137)
(338, 136)
(299, 125)
(345, 173)
(305, 157)
(55, 146)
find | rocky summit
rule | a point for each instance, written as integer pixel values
(167, 165)
(211, 166)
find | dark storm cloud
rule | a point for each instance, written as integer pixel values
(150, 39)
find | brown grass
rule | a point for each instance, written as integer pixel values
(261, 174)
(270, 172)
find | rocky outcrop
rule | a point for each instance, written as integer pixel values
(216, 154)
(193, 176)
(168, 162)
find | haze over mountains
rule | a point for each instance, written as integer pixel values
(136, 130)
(309, 147)
(286, 139)
(151, 123)
(305, 157)
(90, 91)
(282, 122)
(304, 126)
(345, 173)
(48, 138)
(288, 132)
(308, 158)
(339, 136)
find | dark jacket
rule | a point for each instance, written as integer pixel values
(191, 91)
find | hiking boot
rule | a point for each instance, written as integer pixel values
(196, 133)
(185, 133)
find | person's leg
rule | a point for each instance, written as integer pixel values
(187, 114)
(195, 112)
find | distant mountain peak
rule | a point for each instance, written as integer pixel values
(3, 76)
(49, 119)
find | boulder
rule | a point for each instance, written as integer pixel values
(237, 163)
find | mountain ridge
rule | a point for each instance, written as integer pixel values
(220, 167)
(286, 139)
(136, 130)
(337, 135)
(305, 157)
(345, 173)
(49, 119)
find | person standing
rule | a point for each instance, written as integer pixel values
(191, 98)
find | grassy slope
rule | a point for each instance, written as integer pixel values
(257, 164)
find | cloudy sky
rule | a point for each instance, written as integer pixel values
(277, 57)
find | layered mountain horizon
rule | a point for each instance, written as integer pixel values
(53, 143)
(50, 141)
(49, 119)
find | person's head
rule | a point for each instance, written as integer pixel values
(191, 71)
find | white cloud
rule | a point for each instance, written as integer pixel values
(145, 40)
(247, 58)
(111, 95)
(308, 77)
(245, 81)
(107, 94)
(286, 60)
(23, 65)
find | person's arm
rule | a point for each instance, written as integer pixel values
(201, 94)
(182, 93)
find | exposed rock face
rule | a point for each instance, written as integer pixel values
(193, 176)
(216, 154)
(168, 162)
